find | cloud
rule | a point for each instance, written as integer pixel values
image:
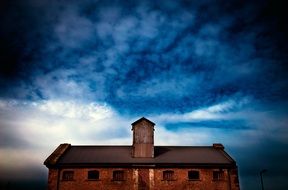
(75, 110)
(213, 112)
(104, 51)
(73, 30)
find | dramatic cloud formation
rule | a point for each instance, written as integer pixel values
(203, 71)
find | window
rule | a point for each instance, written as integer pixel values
(218, 175)
(168, 175)
(93, 175)
(193, 175)
(67, 175)
(118, 175)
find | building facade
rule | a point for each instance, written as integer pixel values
(141, 166)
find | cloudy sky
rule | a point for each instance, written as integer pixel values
(204, 71)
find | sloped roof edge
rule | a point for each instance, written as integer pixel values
(141, 119)
(55, 156)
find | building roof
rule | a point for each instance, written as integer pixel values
(142, 119)
(121, 156)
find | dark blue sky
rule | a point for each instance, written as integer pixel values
(203, 71)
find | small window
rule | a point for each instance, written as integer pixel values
(67, 175)
(118, 175)
(168, 175)
(93, 175)
(193, 175)
(218, 175)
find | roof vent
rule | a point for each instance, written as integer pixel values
(143, 138)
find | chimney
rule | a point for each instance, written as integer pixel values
(143, 138)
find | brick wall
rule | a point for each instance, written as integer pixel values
(52, 179)
(181, 180)
(144, 179)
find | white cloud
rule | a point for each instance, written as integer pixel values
(181, 137)
(208, 113)
(62, 84)
(219, 111)
(76, 110)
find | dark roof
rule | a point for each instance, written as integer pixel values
(164, 155)
(141, 119)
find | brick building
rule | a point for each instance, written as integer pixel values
(141, 166)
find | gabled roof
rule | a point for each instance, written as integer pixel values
(142, 119)
(164, 156)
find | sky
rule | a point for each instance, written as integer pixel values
(205, 72)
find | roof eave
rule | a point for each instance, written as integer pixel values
(150, 165)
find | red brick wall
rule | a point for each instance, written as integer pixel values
(105, 182)
(181, 180)
(132, 181)
(234, 179)
(52, 179)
